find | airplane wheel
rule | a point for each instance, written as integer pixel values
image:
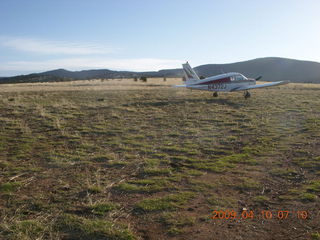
(215, 94)
(247, 94)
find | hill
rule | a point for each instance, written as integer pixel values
(271, 68)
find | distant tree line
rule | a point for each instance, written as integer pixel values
(34, 78)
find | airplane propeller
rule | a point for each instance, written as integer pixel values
(258, 78)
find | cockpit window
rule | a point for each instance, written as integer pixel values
(240, 77)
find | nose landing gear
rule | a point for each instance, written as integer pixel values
(246, 94)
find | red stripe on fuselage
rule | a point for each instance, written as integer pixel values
(221, 80)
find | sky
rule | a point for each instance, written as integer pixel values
(143, 35)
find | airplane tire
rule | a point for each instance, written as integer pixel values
(215, 94)
(247, 94)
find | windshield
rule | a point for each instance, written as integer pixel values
(240, 77)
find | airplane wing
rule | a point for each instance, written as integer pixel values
(259, 86)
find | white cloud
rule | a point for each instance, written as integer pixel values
(77, 56)
(140, 64)
(42, 46)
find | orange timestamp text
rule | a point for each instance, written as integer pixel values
(261, 214)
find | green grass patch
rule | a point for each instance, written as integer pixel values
(284, 173)
(26, 229)
(117, 164)
(201, 186)
(312, 164)
(243, 158)
(83, 228)
(171, 219)
(314, 186)
(169, 202)
(221, 202)
(175, 224)
(9, 187)
(247, 184)
(157, 171)
(94, 189)
(261, 200)
(5, 165)
(307, 197)
(103, 207)
(315, 236)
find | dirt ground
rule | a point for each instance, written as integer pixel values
(119, 159)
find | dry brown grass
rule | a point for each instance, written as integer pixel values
(91, 85)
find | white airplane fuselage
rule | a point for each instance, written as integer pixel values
(227, 82)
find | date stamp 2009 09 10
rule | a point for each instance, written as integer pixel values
(262, 214)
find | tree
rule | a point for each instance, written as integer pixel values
(143, 78)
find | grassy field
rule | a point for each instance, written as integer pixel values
(119, 159)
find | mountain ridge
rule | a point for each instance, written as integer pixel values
(271, 68)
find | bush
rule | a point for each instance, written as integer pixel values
(143, 79)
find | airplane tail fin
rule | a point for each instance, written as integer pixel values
(189, 73)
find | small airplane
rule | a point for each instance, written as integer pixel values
(227, 82)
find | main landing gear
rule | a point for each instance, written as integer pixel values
(215, 94)
(246, 94)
